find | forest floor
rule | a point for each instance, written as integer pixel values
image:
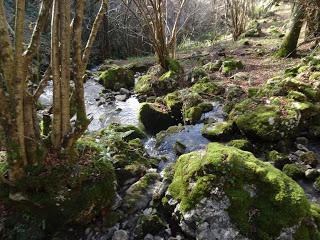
(256, 53)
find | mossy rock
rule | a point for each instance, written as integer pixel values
(229, 66)
(129, 132)
(231, 171)
(206, 107)
(140, 193)
(219, 131)
(116, 78)
(144, 85)
(242, 144)
(294, 171)
(155, 117)
(192, 115)
(205, 87)
(278, 119)
(278, 159)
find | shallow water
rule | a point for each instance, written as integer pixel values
(102, 114)
(190, 137)
(116, 112)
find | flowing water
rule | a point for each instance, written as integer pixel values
(104, 113)
(101, 113)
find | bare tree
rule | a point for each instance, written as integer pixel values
(237, 12)
(151, 15)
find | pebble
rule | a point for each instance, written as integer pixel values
(120, 235)
(121, 98)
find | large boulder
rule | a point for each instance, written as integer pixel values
(226, 193)
(156, 82)
(117, 77)
(231, 65)
(156, 117)
(270, 120)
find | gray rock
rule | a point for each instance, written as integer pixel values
(124, 91)
(121, 98)
(311, 174)
(302, 140)
(148, 237)
(120, 235)
(210, 220)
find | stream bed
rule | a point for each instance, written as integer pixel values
(104, 112)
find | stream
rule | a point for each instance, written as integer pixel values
(104, 112)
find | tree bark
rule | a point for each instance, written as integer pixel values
(289, 45)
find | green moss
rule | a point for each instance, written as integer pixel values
(242, 144)
(298, 96)
(143, 84)
(278, 159)
(66, 193)
(192, 115)
(314, 76)
(117, 77)
(206, 87)
(129, 132)
(316, 184)
(137, 192)
(309, 158)
(252, 92)
(267, 122)
(197, 173)
(218, 131)
(166, 75)
(206, 107)
(174, 66)
(294, 171)
(230, 65)
(171, 130)
(198, 72)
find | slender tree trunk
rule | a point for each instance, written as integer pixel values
(289, 45)
(56, 137)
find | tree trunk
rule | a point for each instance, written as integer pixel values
(289, 45)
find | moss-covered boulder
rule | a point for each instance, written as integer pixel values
(158, 83)
(230, 190)
(272, 120)
(129, 132)
(219, 131)
(192, 115)
(231, 65)
(117, 77)
(155, 117)
(205, 87)
(138, 196)
(294, 171)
